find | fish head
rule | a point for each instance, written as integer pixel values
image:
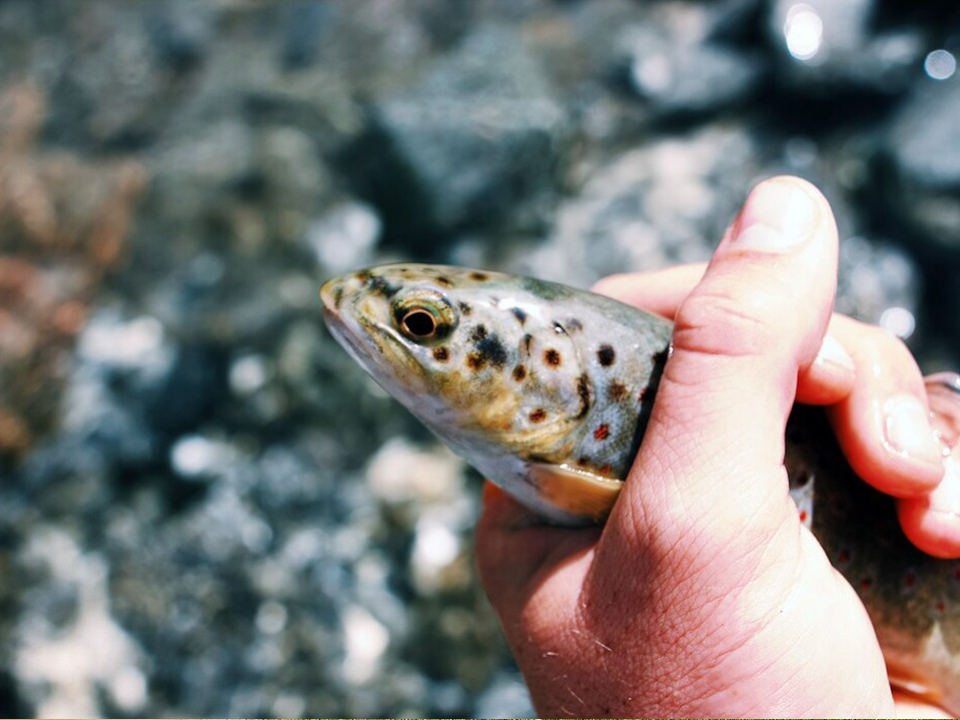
(469, 352)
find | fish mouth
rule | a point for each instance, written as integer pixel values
(331, 293)
(366, 340)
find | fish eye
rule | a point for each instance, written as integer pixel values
(424, 315)
(419, 323)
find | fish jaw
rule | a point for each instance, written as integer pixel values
(359, 320)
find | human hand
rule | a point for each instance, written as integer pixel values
(703, 594)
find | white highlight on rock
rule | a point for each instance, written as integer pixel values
(343, 238)
(271, 617)
(68, 669)
(803, 32)
(365, 642)
(435, 547)
(194, 455)
(898, 321)
(110, 340)
(401, 472)
(248, 374)
(940, 64)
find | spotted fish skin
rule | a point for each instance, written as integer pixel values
(536, 384)
(546, 391)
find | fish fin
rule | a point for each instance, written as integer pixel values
(575, 491)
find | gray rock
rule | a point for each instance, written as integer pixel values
(649, 208)
(478, 135)
(924, 146)
(827, 44)
(680, 74)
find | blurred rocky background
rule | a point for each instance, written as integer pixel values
(205, 508)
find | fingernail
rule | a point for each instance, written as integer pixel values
(908, 431)
(779, 215)
(946, 497)
(834, 354)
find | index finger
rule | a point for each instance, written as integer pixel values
(828, 380)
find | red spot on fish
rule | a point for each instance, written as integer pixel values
(601, 432)
(803, 516)
(519, 373)
(551, 357)
(605, 470)
(538, 415)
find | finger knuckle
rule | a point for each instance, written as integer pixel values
(717, 323)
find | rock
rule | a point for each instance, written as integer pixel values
(477, 136)
(923, 144)
(669, 63)
(824, 45)
(878, 284)
(650, 207)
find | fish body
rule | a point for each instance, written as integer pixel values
(546, 390)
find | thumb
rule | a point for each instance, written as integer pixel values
(710, 469)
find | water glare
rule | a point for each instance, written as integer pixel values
(940, 64)
(803, 31)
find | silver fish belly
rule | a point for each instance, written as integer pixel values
(546, 390)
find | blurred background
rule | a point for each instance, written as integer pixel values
(205, 508)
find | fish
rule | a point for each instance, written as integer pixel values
(547, 390)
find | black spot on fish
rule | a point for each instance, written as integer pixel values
(583, 392)
(441, 354)
(362, 275)
(538, 415)
(338, 296)
(552, 357)
(479, 276)
(606, 355)
(380, 286)
(583, 460)
(527, 342)
(616, 391)
(489, 349)
(574, 325)
(464, 308)
(519, 314)
(519, 373)
(558, 328)
(494, 350)
(444, 280)
(539, 458)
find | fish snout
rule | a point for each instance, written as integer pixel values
(331, 294)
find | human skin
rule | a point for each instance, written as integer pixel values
(703, 595)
